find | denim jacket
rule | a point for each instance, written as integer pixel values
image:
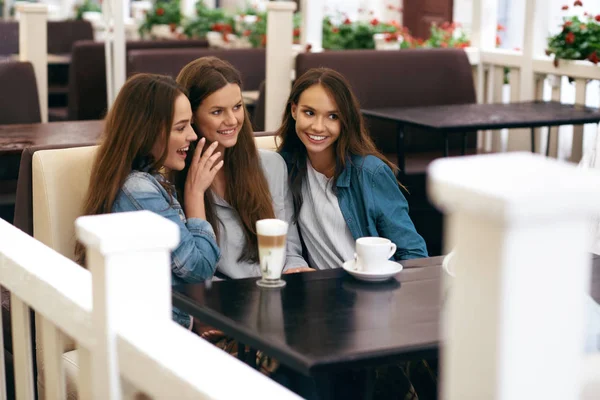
(373, 205)
(195, 258)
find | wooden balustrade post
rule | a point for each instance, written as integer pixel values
(279, 60)
(311, 32)
(516, 308)
(33, 47)
(129, 256)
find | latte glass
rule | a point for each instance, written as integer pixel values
(272, 235)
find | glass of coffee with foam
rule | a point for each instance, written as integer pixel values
(271, 251)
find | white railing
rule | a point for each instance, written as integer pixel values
(516, 309)
(118, 312)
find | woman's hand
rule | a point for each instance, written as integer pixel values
(201, 173)
(299, 269)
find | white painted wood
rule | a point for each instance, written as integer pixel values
(574, 69)
(504, 57)
(540, 133)
(165, 374)
(2, 368)
(118, 37)
(483, 27)
(554, 134)
(311, 31)
(516, 227)
(279, 60)
(33, 47)
(53, 285)
(580, 94)
(495, 84)
(22, 349)
(52, 351)
(85, 389)
(591, 377)
(121, 248)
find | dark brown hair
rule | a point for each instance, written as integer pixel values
(141, 115)
(246, 187)
(354, 138)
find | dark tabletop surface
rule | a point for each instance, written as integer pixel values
(14, 138)
(468, 117)
(326, 319)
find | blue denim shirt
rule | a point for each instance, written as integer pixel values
(195, 258)
(373, 205)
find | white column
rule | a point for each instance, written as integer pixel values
(115, 52)
(6, 9)
(522, 267)
(33, 47)
(312, 24)
(534, 37)
(188, 7)
(279, 60)
(129, 256)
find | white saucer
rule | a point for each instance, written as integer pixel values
(388, 270)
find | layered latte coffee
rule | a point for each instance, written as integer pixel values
(271, 247)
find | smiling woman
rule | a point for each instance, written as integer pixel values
(146, 137)
(252, 184)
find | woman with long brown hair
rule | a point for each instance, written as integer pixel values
(343, 187)
(252, 184)
(147, 134)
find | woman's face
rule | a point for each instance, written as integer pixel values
(317, 120)
(182, 134)
(221, 115)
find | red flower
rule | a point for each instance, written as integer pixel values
(548, 52)
(578, 3)
(598, 18)
(517, 49)
(570, 38)
(225, 38)
(565, 7)
(263, 40)
(583, 26)
(308, 47)
(160, 11)
(500, 28)
(444, 45)
(498, 41)
(216, 27)
(391, 7)
(374, 22)
(391, 37)
(247, 32)
(335, 30)
(173, 27)
(297, 32)
(347, 21)
(594, 58)
(567, 24)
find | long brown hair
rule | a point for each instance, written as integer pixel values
(246, 188)
(354, 138)
(141, 115)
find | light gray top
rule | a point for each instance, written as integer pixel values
(231, 234)
(326, 235)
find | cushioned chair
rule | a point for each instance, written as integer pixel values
(87, 75)
(9, 32)
(19, 101)
(60, 181)
(250, 62)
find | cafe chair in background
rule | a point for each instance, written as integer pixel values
(19, 99)
(60, 181)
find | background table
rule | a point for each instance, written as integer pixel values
(463, 118)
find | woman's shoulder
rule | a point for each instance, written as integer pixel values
(369, 163)
(271, 160)
(138, 181)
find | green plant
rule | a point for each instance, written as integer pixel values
(354, 34)
(164, 12)
(207, 20)
(86, 6)
(256, 31)
(447, 35)
(579, 38)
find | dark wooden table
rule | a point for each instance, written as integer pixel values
(463, 118)
(15, 138)
(326, 320)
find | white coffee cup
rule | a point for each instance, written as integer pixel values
(271, 235)
(372, 253)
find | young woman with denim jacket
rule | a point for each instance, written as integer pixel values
(146, 138)
(252, 184)
(343, 188)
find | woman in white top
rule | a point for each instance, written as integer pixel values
(252, 184)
